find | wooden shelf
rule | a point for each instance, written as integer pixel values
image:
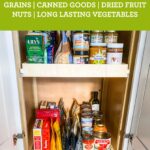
(74, 70)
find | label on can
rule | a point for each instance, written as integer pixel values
(81, 41)
(88, 144)
(104, 144)
(114, 58)
(96, 39)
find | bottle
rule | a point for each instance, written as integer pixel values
(95, 103)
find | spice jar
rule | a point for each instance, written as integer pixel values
(96, 37)
(111, 37)
(98, 53)
(114, 53)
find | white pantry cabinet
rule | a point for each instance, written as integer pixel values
(38, 82)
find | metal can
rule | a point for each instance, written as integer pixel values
(88, 142)
(98, 53)
(80, 59)
(102, 141)
(81, 40)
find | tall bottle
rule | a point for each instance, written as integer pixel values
(95, 103)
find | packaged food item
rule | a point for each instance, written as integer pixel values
(63, 54)
(102, 141)
(46, 135)
(88, 142)
(34, 48)
(43, 105)
(81, 41)
(98, 53)
(111, 37)
(98, 119)
(58, 135)
(96, 37)
(81, 53)
(114, 53)
(37, 134)
(80, 59)
(87, 130)
(87, 122)
(53, 143)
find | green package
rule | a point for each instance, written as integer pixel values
(34, 48)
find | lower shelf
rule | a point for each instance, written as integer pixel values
(74, 70)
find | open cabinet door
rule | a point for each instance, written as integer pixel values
(10, 121)
(138, 133)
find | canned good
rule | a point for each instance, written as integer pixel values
(102, 141)
(98, 119)
(81, 41)
(88, 142)
(81, 53)
(114, 53)
(96, 37)
(111, 37)
(86, 122)
(79, 59)
(98, 53)
(100, 128)
(87, 130)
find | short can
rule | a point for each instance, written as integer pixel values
(88, 142)
(102, 140)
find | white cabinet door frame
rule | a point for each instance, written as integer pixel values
(9, 98)
(137, 93)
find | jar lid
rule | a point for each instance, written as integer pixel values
(115, 45)
(98, 44)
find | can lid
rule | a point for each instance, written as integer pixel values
(115, 45)
(98, 44)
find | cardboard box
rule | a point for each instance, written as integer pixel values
(34, 48)
(37, 134)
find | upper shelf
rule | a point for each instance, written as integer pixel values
(74, 70)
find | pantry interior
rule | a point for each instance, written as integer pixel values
(50, 82)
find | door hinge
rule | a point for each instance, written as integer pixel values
(129, 136)
(18, 136)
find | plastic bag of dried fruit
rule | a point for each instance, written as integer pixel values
(63, 54)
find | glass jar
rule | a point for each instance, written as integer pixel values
(98, 53)
(96, 37)
(114, 53)
(111, 37)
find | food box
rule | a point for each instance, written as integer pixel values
(37, 134)
(34, 48)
